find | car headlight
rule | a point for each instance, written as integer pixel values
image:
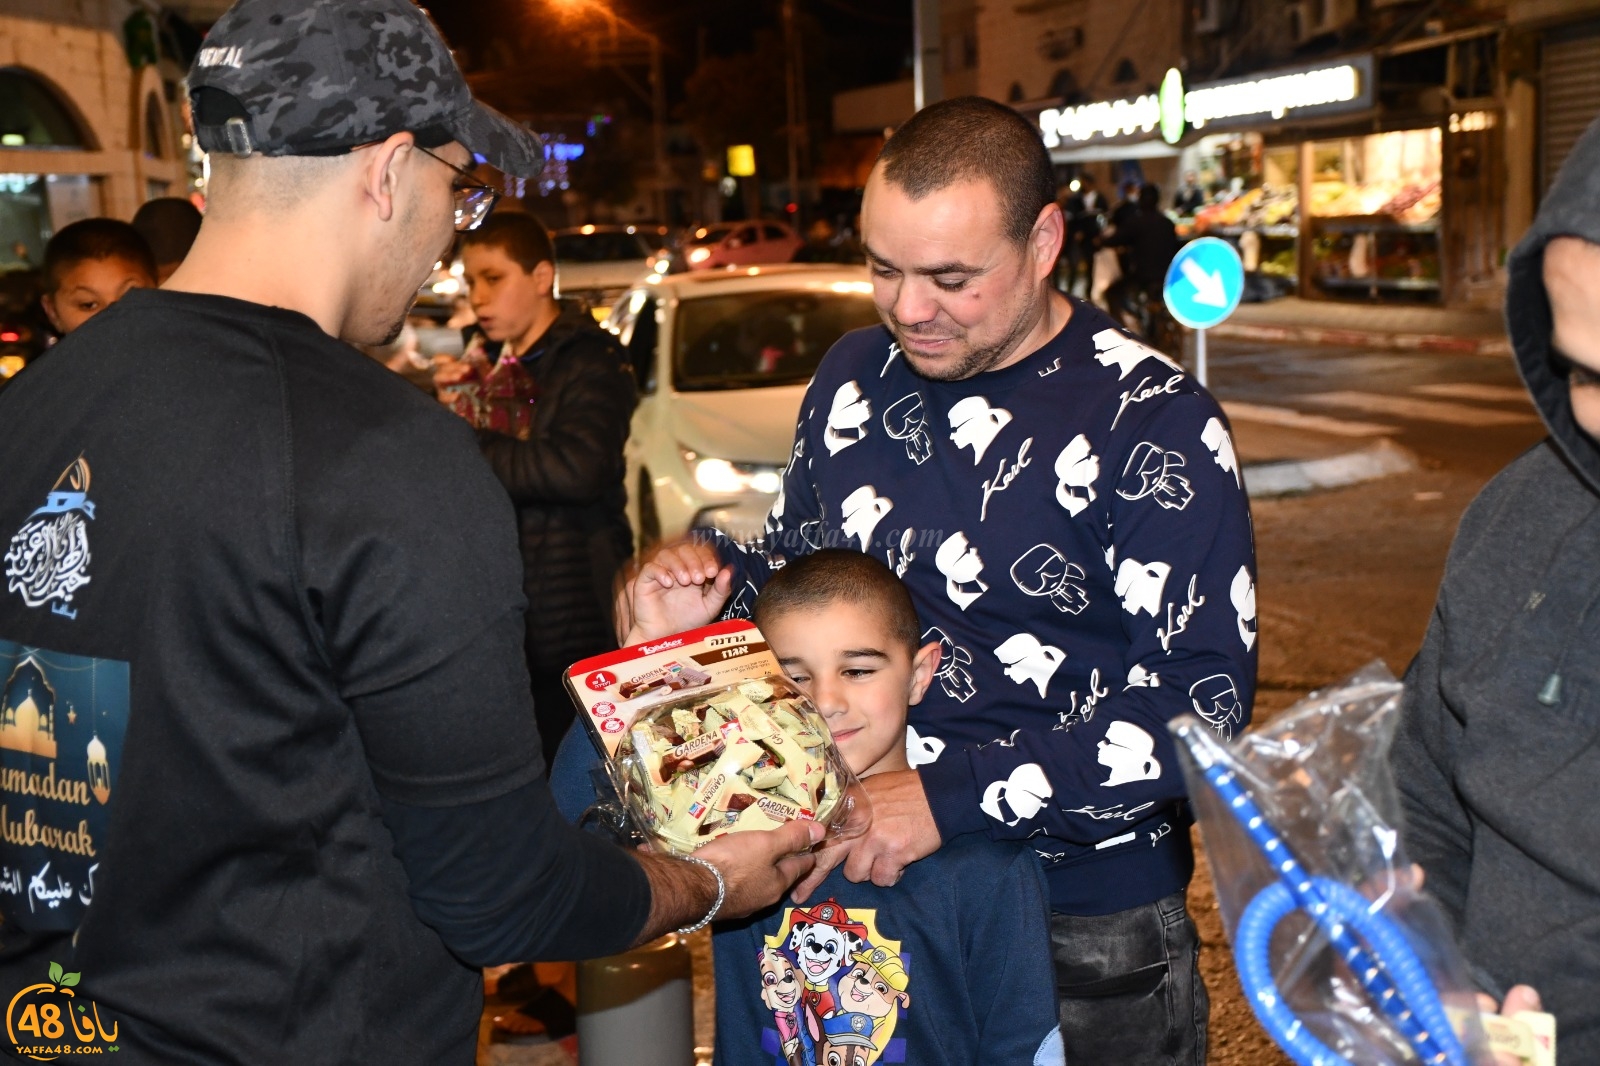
(700, 255)
(728, 478)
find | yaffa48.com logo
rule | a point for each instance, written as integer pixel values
(48, 1020)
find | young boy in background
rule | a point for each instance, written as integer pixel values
(90, 265)
(951, 965)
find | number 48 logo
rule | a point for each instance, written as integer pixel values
(51, 1011)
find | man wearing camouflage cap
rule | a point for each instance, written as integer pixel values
(271, 774)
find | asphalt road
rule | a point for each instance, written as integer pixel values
(1349, 576)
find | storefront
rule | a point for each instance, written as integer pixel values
(83, 131)
(1329, 187)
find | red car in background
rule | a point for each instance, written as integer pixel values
(740, 244)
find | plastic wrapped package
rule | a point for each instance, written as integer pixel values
(750, 755)
(1343, 957)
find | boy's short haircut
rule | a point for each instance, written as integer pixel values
(521, 236)
(94, 238)
(835, 575)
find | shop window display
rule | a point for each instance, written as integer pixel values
(1374, 214)
(1256, 202)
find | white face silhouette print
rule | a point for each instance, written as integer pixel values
(1129, 752)
(847, 421)
(1021, 795)
(1141, 585)
(1115, 348)
(1215, 436)
(1216, 699)
(976, 425)
(775, 516)
(1044, 571)
(1076, 472)
(954, 677)
(1028, 660)
(906, 421)
(1243, 594)
(863, 509)
(1152, 473)
(921, 750)
(960, 563)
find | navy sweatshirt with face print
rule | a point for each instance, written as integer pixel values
(1076, 537)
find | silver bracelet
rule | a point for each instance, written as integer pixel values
(722, 894)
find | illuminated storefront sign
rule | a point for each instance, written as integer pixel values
(1319, 90)
(1100, 121)
(1328, 89)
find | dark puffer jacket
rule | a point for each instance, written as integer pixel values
(566, 482)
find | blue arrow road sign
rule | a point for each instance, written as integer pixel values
(1204, 283)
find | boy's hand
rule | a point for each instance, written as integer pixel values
(902, 831)
(682, 586)
(1520, 998)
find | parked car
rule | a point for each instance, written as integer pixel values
(722, 362)
(740, 244)
(596, 263)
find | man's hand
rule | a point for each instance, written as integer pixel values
(680, 587)
(757, 867)
(1520, 998)
(902, 829)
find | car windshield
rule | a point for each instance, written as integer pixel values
(752, 340)
(602, 247)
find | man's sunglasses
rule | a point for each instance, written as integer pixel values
(474, 200)
(1575, 372)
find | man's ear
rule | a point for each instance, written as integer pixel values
(544, 278)
(1044, 243)
(924, 665)
(48, 302)
(383, 172)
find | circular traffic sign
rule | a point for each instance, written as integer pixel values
(1204, 283)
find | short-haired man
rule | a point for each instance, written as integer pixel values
(1496, 756)
(1065, 506)
(265, 711)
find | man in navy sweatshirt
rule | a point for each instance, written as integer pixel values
(1066, 507)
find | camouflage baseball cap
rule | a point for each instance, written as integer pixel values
(320, 77)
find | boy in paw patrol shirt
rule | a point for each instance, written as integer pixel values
(830, 984)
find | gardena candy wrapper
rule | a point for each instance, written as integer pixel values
(1342, 957)
(704, 736)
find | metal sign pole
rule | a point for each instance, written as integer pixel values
(1200, 356)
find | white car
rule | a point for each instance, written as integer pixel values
(597, 263)
(722, 360)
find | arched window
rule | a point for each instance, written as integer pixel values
(155, 130)
(1015, 94)
(1126, 72)
(32, 116)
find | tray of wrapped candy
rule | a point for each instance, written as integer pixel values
(751, 755)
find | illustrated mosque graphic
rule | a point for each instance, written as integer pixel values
(28, 724)
(28, 712)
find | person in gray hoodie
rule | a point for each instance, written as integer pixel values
(1498, 751)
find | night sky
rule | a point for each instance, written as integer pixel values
(864, 41)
